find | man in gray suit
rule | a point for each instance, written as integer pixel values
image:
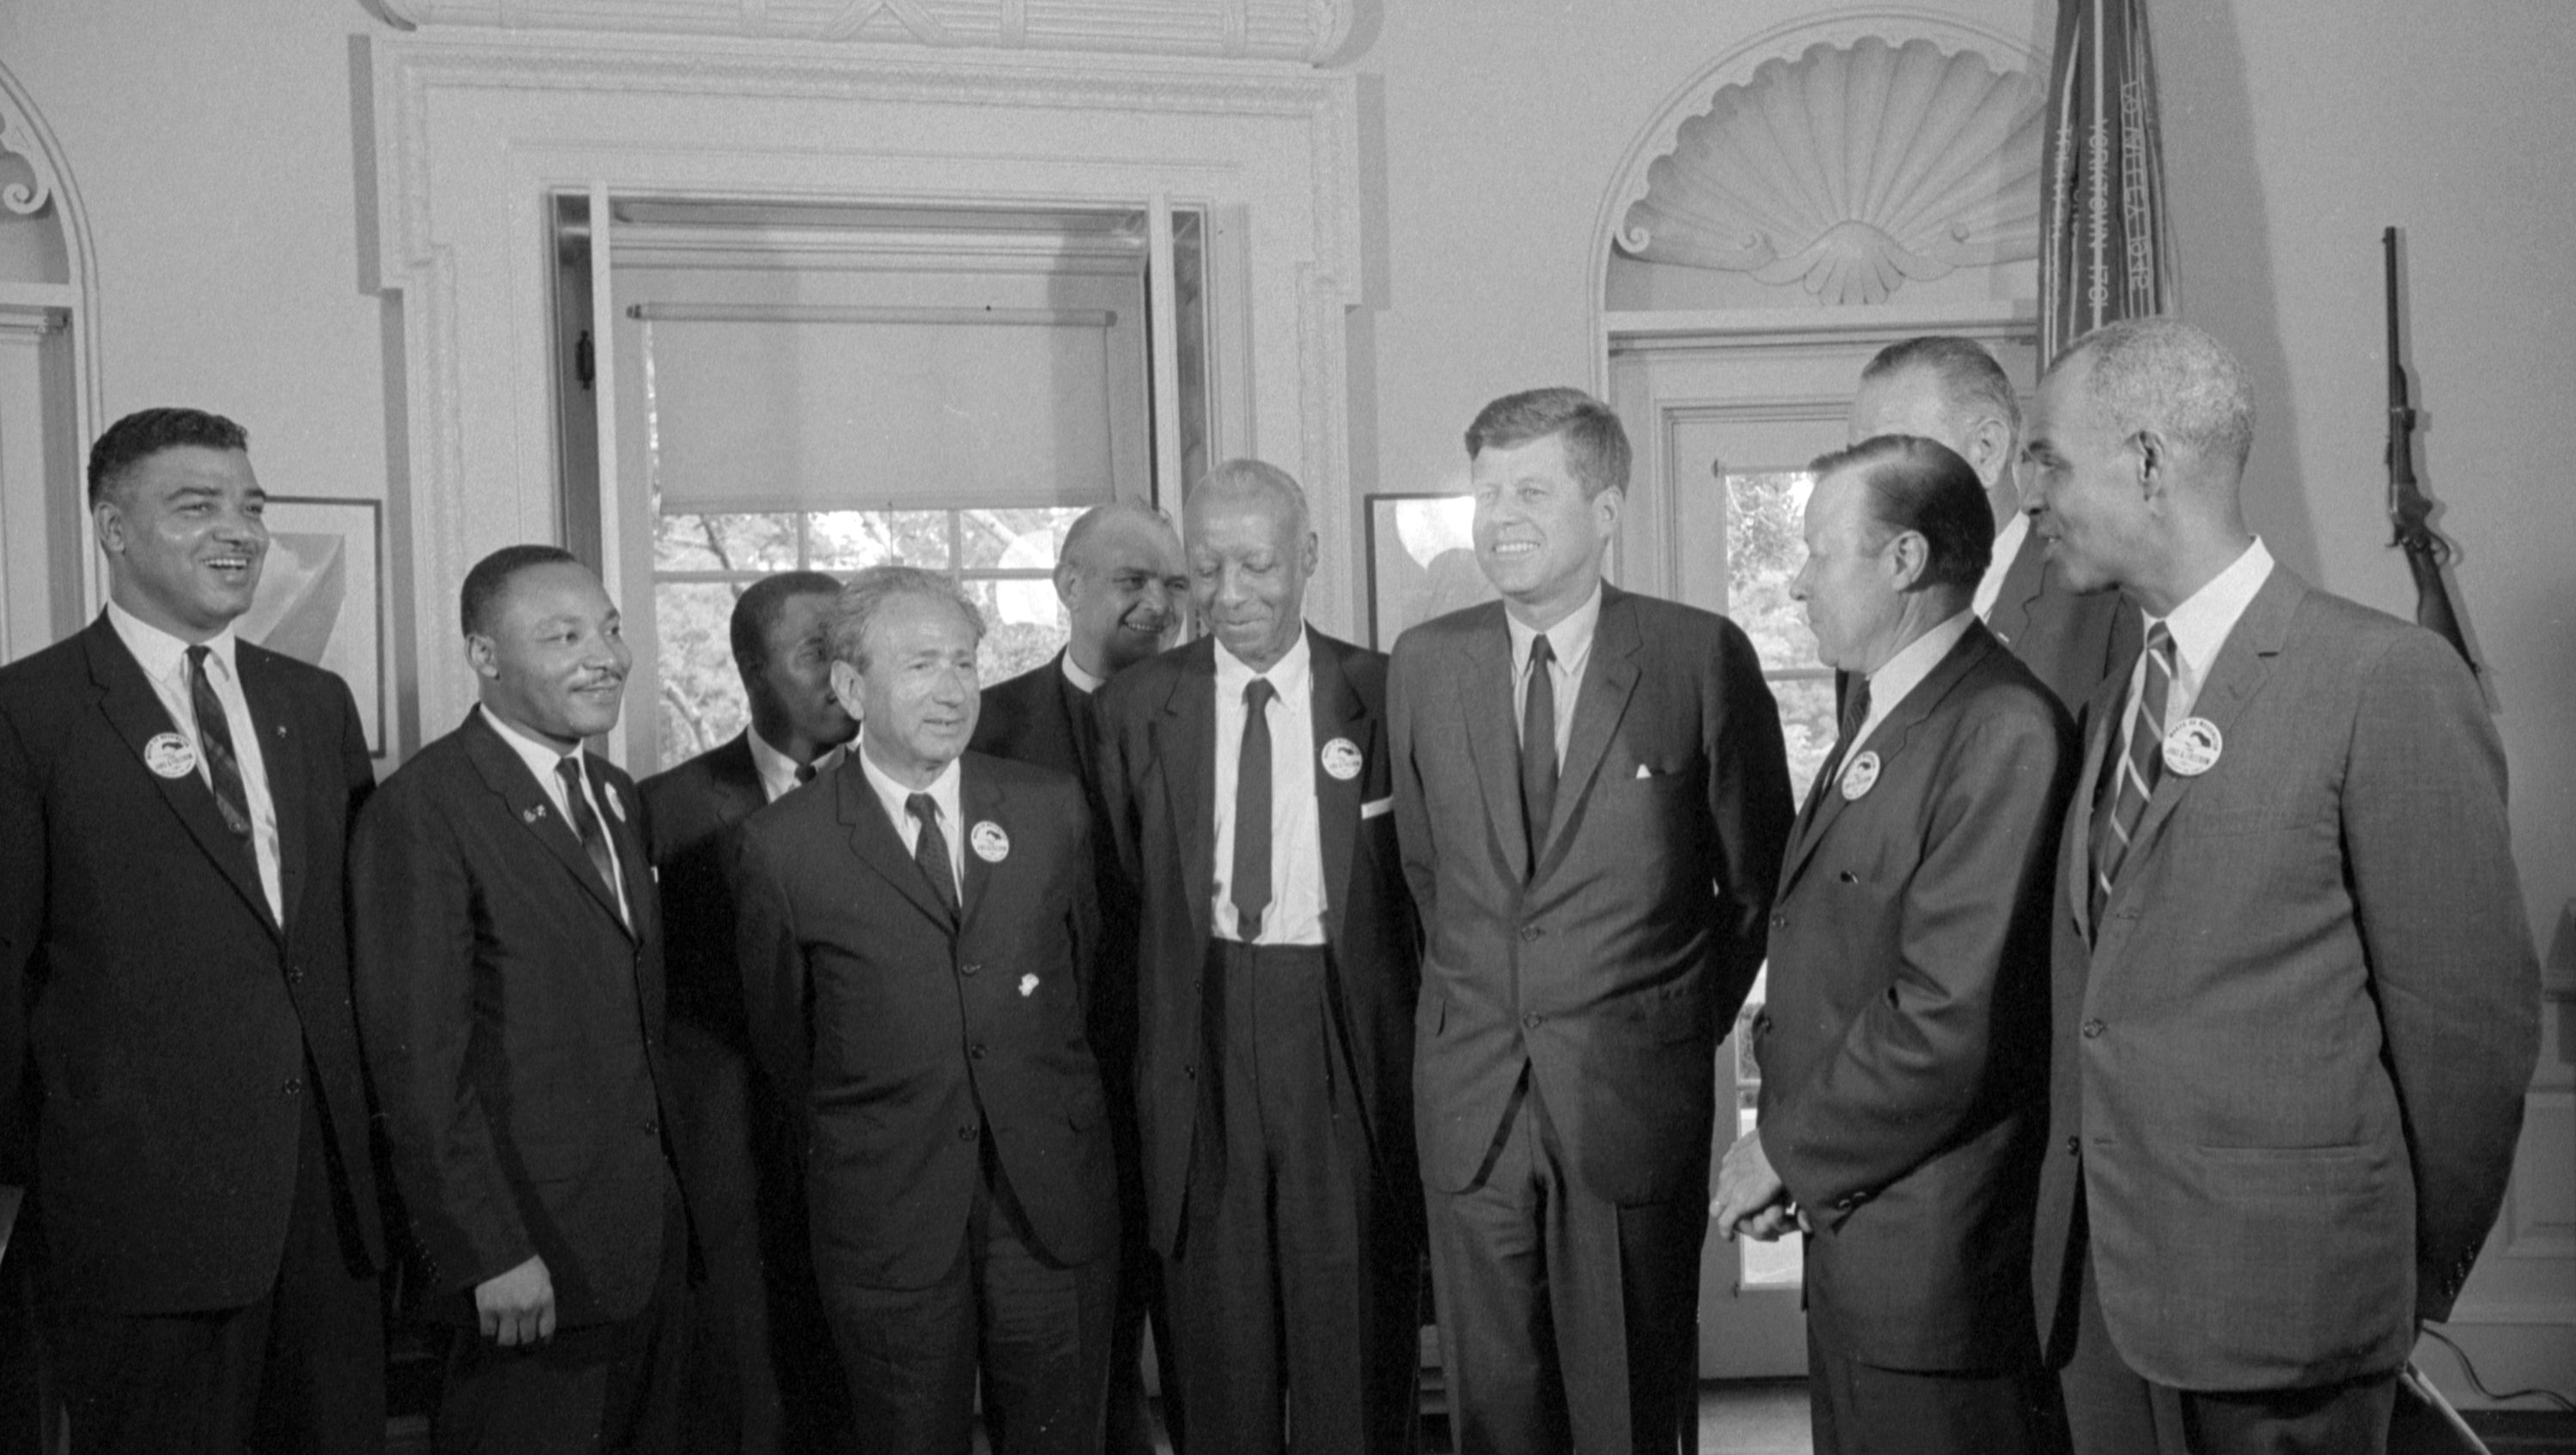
(2295, 1000)
(1591, 798)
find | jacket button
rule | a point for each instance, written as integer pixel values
(2073, 1147)
(976, 1050)
(1190, 1072)
(1529, 932)
(295, 976)
(966, 1133)
(1529, 1022)
(969, 968)
(651, 1126)
(1779, 920)
(2092, 1028)
(294, 1086)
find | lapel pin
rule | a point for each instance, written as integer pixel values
(1342, 759)
(616, 805)
(534, 814)
(992, 846)
(170, 756)
(2192, 748)
(1861, 776)
(1028, 986)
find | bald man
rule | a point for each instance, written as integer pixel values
(1951, 390)
(1119, 576)
(2294, 997)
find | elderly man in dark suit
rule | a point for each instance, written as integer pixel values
(509, 975)
(186, 1104)
(760, 1377)
(1593, 796)
(2296, 1005)
(916, 931)
(1246, 777)
(1951, 390)
(1905, 1043)
(1119, 576)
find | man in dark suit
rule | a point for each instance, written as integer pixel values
(1119, 576)
(760, 1376)
(509, 975)
(1904, 1046)
(1247, 789)
(1951, 390)
(2296, 1006)
(916, 932)
(187, 1108)
(1592, 796)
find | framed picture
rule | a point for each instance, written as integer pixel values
(1422, 561)
(321, 597)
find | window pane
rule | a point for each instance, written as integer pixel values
(1763, 552)
(1024, 625)
(699, 701)
(1778, 1264)
(724, 542)
(1807, 725)
(845, 540)
(1014, 539)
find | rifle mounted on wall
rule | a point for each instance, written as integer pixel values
(2409, 512)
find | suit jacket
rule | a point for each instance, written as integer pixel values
(514, 1025)
(1159, 779)
(2073, 640)
(1904, 1048)
(2288, 1064)
(1613, 968)
(694, 810)
(906, 1041)
(163, 1026)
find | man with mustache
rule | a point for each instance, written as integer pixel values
(185, 1100)
(1119, 576)
(509, 978)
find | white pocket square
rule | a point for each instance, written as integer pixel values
(1374, 810)
(1645, 772)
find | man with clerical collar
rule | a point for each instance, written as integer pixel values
(1903, 1044)
(1246, 781)
(1119, 576)
(761, 1376)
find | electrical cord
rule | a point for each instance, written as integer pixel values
(2471, 1370)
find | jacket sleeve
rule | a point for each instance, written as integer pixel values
(1404, 689)
(1750, 809)
(772, 961)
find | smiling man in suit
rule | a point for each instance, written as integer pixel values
(1120, 579)
(1592, 796)
(1951, 390)
(761, 1378)
(509, 972)
(916, 930)
(2296, 1005)
(185, 1100)
(1246, 778)
(1904, 1047)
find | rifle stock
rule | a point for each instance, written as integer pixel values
(2409, 512)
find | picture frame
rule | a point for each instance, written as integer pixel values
(1421, 561)
(321, 597)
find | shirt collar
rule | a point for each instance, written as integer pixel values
(942, 790)
(2201, 623)
(777, 770)
(1570, 639)
(1289, 676)
(159, 653)
(1902, 673)
(1083, 681)
(540, 756)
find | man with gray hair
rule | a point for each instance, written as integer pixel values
(916, 936)
(2295, 1000)
(1950, 389)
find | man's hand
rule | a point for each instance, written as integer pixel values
(1751, 1199)
(517, 1307)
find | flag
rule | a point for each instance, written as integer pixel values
(2105, 253)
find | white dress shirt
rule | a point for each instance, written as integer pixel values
(943, 791)
(1990, 586)
(778, 771)
(164, 659)
(1571, 642)
(1296, 912)
(2200, 627)
(1082, 681)
(1905, 671)
(541, 757)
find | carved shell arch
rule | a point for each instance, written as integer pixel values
(1849, 170)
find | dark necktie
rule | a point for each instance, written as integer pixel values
(804, 773)
(215, 738)
(1538, 748)
(1251, 882)
(585, 822)
(1846, 734)
(2137, 770)
(930, 851)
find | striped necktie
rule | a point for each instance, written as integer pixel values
(2137, 769)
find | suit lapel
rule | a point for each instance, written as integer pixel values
(978, 801)
(134, 710)
(2075, 850)
(508, 775)
(282, 758)
(1601, 699)
(736, 774)
(1889, 740)
(1185, 754)
(1493, 739)
(633, 857)
(1338, 713)
(2024, 580)
(874, 839)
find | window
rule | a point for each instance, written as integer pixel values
(1764, 550)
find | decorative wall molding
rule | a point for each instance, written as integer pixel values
(1308, 31)
(1844, 156)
